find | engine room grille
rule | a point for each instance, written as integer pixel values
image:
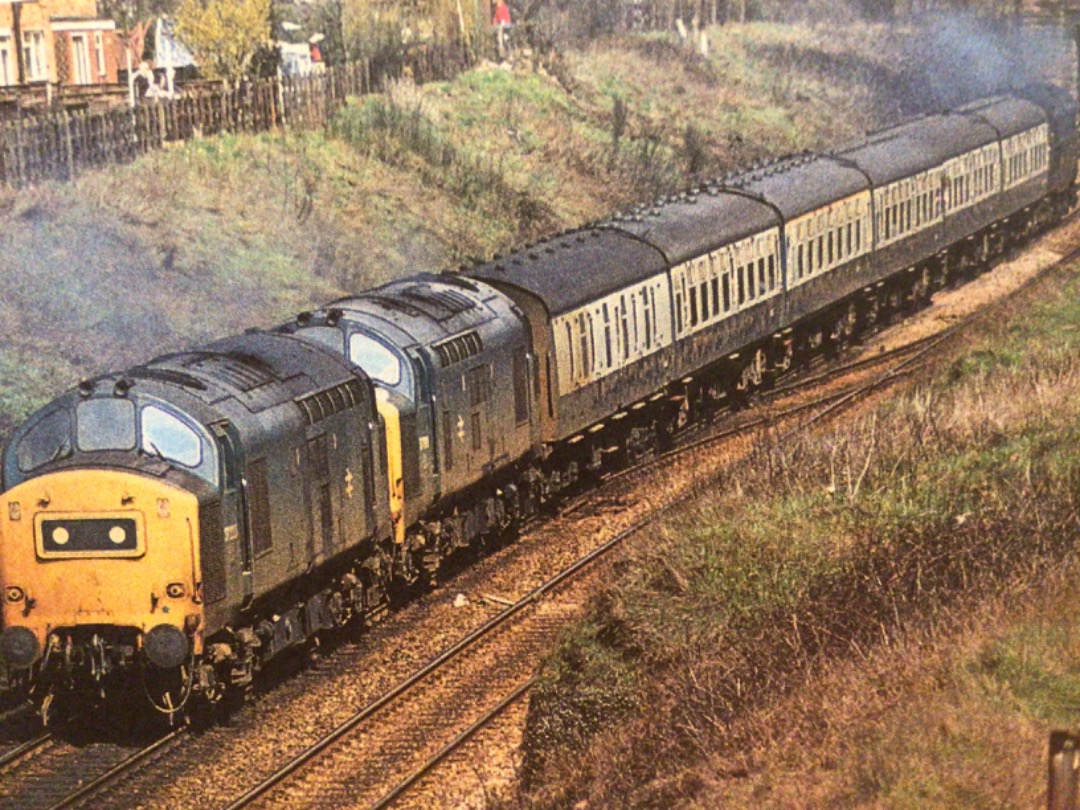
(323, 404)
(241, 372)
(459, 348)
(212, 553)
(439, 304)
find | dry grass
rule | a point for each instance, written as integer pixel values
(855, 545)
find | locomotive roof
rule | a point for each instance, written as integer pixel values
(804, 183)
(238, 378)
(422, 308)
(694, 223)
(257, 369)
(572, 269)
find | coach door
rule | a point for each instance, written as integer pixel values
(234, 513)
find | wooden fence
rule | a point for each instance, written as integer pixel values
(60, 145)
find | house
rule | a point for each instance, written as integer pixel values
(59, 42)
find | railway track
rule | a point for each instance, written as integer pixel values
(57, 771)
(422, 722)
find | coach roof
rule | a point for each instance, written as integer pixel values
(1009, 115)
(697, 222)
(570, 270)
(803, 183)
(918, 146)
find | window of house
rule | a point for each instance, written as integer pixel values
(7, 61)
(80, 59)
(34, 56)
(99, 48)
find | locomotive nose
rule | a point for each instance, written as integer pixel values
(18, 647)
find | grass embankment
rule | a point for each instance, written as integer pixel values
(219, 235)
(826, 628)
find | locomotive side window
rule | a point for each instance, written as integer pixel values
(375, 358)
(105, 424)
(49, 440)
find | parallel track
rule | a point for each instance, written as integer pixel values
(347, 767)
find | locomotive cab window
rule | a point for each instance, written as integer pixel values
(167, 436)
(375, 358)
(105, 424)
(49, 440)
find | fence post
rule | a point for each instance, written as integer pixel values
(69, 152)
(20, 164)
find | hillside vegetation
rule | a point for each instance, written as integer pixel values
(228, 233)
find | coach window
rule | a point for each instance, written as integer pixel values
(655, 320)
(624, 320)
(585, 342)
(607, 335)
(570, 349)
(648, 318)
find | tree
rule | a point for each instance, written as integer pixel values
(224, 34)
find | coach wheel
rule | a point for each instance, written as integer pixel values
(920, 289)
(783, 356)
(753, 372)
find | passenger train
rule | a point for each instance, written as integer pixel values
(179, 524)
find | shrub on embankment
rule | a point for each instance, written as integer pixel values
(819, 548)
